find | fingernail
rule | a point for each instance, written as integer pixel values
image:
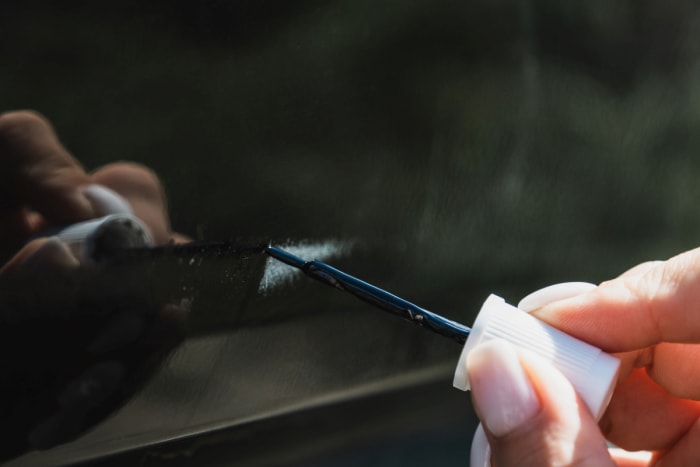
(480, 454)
(501, 391)
(554, 293)
(105, 201)
(633, 457)
(51, 254)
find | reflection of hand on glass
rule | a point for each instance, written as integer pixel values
(75, 340)
(650, 317)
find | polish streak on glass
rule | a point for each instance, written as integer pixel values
(278, 274)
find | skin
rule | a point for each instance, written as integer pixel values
(650, 318)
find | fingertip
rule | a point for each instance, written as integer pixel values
(584, 317)
(647, 305)
(561, 432)
(501, 390)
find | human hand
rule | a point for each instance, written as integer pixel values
(649, 317)
(76, 340)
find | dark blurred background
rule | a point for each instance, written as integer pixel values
(462, 147)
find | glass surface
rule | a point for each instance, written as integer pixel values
(455, 148)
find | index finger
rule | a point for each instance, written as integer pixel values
(37, 171)
(635, 311)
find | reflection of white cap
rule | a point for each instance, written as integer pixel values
(591, 371)
(91, 240)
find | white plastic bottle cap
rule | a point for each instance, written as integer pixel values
(591, 371)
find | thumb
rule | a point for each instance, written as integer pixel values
(530, 412)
